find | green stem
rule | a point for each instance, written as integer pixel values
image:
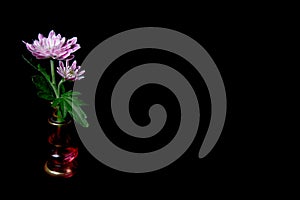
(56, 89)
(53, 83)
(59, 85)
(52, 72)
(59, 115)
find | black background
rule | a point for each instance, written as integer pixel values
(244, 160)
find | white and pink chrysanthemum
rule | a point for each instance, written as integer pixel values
(55, 47)
(68, 72)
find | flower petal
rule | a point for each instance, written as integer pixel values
(40, 36)
(51, 34)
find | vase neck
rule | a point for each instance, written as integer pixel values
(53, 121)
(56, 120)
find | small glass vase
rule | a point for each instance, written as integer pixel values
(63, 151)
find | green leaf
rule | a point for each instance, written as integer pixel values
(45, 96)
(62, 89)
(56, 102)
(64, 109)
(44, 90)
(44, 72)
(78, 101)
(61, 105)
(68, 103)
(73, 95)
(76, 112)
(67, 94)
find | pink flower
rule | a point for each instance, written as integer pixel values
(70, 72)
(54, 47)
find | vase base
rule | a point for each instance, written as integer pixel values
(66, 172)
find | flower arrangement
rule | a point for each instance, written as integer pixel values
(60, 52)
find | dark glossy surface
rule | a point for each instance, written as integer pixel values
(243, 160)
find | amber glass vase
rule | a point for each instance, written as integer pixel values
(63, 150)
